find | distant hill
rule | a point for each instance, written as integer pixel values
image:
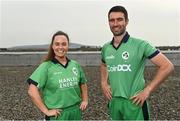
(72, 47)
(44, 47)
(168, 47)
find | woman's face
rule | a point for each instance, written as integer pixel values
(60, 46)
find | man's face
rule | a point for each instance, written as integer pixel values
(117, 23)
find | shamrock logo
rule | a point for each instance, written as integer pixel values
(125, 55)
(75, 71)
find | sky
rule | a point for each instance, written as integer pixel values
(33, 22)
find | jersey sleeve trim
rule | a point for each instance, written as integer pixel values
(154, 54)
(83, 82)
(30, 81)
(103, 61)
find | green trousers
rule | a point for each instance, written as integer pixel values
(123, 109)
(69, 113)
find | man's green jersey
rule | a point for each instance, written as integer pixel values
(59, 84)
(125, 65)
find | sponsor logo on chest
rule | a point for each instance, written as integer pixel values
(120, 67)
(123, 67)
(68, 82)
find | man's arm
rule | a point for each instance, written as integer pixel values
(165, 67)
(104, 81)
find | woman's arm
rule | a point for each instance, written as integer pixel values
(84, 95)
(36, 98)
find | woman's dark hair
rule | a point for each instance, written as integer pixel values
(51, 53)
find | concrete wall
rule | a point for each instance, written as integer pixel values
(84, 58)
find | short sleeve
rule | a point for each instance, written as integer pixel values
(39, 76)
(83, 79)
(102, 55)
(149, 50)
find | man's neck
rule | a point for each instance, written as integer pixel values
(118, 39)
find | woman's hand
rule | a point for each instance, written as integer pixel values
(53, 112)
(83, 105)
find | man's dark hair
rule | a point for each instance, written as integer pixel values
(119, 9)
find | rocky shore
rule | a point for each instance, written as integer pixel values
(16, 105)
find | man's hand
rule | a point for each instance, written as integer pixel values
(106, 90)
(140, 97)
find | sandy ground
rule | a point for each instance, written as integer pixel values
(16, 105)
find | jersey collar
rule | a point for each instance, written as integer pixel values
(55, 61)
(124, 40)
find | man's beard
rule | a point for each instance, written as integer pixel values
(119, 33)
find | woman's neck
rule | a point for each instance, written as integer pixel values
(62, 60)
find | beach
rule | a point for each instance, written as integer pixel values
(15, 103)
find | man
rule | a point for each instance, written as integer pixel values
(122, 67)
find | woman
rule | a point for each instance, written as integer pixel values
(61, 81)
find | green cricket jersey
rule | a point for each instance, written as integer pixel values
(125, 65)
(60, 85)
